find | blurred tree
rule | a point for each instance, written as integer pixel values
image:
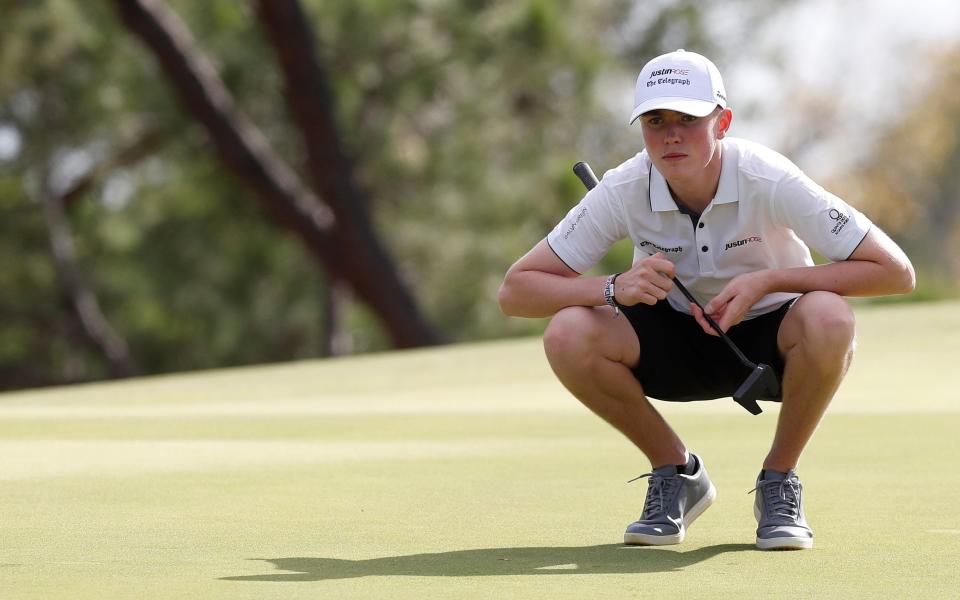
(79, 294)
(911, 179)
(338, 232)
(461, 121)
(190, 276)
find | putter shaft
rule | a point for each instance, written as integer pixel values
(736, 350)
(761, 375)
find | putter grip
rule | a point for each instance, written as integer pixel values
(585, 173)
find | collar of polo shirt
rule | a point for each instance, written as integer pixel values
(661, 199)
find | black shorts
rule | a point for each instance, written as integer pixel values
(680, 362)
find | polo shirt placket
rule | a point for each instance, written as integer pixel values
(702, 242)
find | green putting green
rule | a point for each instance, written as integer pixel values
(466, 472)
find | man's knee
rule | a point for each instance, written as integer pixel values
(571, 332)
(826, 321)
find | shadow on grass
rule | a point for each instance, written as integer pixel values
(610, 558)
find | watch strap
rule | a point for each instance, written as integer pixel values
(609, 293)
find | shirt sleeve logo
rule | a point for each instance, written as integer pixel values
(841, 221)
(576, 222)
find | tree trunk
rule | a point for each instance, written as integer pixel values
(349, 251)
(311, 105)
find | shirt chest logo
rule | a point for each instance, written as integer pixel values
(750, 240)
(676, 250)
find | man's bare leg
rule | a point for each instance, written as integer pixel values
(816, 340)
(592, 352)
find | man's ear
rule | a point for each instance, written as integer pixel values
(723, 122)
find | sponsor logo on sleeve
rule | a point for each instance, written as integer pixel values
(576, 221)
(750, 240)
(840, 221)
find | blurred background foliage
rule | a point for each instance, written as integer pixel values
(463, 119)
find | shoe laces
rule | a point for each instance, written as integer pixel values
(781, 498)
(660, 489)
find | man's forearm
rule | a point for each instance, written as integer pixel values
(539, 294)
(846, 278)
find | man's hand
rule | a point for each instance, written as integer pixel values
(733, 302)
(647, 281)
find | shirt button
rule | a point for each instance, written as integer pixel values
(700, 225)
(704, 248)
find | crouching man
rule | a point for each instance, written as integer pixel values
(734, 221)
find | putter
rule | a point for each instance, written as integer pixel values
(762, 381)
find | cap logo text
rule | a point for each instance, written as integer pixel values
(659, 72)
(668, 80)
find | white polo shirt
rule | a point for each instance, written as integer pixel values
(764, 216)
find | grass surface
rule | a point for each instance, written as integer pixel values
(466, 472)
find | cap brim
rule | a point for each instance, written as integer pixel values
(697, 108)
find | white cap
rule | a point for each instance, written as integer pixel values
(682, 81)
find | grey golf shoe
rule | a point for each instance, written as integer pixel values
(673, 502)
(779, 511)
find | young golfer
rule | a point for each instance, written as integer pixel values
(733, 221)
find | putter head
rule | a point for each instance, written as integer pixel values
(761, 383)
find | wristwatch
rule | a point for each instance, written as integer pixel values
(608, 294)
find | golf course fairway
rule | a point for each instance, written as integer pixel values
(465, 472)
